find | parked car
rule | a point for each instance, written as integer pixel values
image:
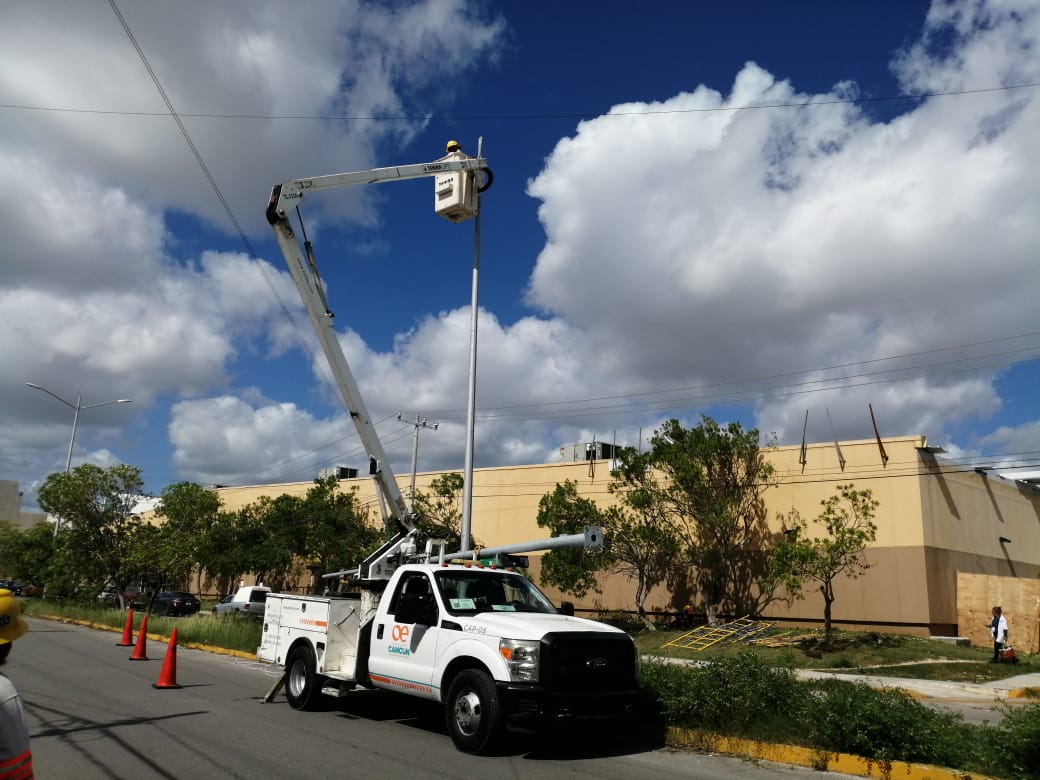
(248, 601)
(174, 603)
(108, 598)
(29, 590)
(135, 598)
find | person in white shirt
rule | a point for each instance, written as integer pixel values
(998, 627)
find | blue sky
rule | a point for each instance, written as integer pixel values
(671, 230)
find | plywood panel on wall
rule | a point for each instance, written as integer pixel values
(1019, 599)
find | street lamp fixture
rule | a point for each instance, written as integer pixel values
(78, 407)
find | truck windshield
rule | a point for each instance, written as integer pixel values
(480, 590)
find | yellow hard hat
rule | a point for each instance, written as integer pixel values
(11, 624)
(453, 146)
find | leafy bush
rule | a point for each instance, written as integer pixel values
(851, 717)
(741, 696)
(737, 696)
(1015, 752)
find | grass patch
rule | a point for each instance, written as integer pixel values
(867, 651)
(230, 633)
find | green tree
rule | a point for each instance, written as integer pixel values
(266, 534)
(10, 536)
(27, 555)
(278, 538)
(847, 518)
(572, 570)
(220, 553)
(439, 513)
(97, 525)
(643, 550)
(333, 528)
(643, 542)
(705, 483)
(185, 513)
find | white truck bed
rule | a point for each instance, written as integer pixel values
(334, 624)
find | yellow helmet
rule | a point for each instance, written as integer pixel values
(11, 624)
(453, 146)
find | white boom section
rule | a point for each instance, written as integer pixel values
(304, 273)
(288, 194)
(309, 285)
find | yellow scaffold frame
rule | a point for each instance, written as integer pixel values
(701, 638)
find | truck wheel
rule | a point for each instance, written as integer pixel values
(301, 680)
(473, 712)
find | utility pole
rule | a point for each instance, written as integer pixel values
(420, 422)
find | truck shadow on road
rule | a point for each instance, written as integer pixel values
(559, 743)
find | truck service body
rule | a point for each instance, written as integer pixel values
(476, 636)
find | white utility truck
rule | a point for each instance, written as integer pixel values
(465, 628)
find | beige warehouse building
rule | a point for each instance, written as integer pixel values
(951, 542)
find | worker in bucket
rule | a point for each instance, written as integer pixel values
(15, 754)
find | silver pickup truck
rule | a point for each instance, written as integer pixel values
(247, 601)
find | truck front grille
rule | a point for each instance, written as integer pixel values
(588, 662)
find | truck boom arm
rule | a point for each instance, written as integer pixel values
(305, 275)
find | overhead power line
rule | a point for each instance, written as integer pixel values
(541, 412)
(810, 103)
(769, 377)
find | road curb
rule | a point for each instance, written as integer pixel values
(1024, 693)
(820, 760)
(155, 637)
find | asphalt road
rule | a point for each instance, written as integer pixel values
(94, 713)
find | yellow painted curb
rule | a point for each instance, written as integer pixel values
(820, 760)
(1024, 693)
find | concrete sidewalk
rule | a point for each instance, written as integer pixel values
(1019, 686)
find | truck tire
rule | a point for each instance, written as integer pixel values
(302, 683)
(473, 712)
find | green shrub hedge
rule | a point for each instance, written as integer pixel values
(740, 696)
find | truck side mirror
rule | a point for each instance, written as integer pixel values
(417, 608)
(566, 608)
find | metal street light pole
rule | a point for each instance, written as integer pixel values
(77, 407)
(471, 400)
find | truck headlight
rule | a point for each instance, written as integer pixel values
(521, 657)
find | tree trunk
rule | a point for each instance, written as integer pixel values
(711, 613)
(641, 593)
(828, 599)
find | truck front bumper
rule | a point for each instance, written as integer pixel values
(535, 705)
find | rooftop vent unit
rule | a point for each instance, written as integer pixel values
(594, 450)
(337, 472)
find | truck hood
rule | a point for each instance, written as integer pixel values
(531, 625)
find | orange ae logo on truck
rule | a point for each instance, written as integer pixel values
(400, 635)
(312, 622)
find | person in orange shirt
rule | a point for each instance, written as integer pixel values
(15, 754)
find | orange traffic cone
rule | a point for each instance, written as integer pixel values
(128, 630)
(140, 652)
(168, 673)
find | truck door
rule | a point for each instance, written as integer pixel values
(404, 649)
